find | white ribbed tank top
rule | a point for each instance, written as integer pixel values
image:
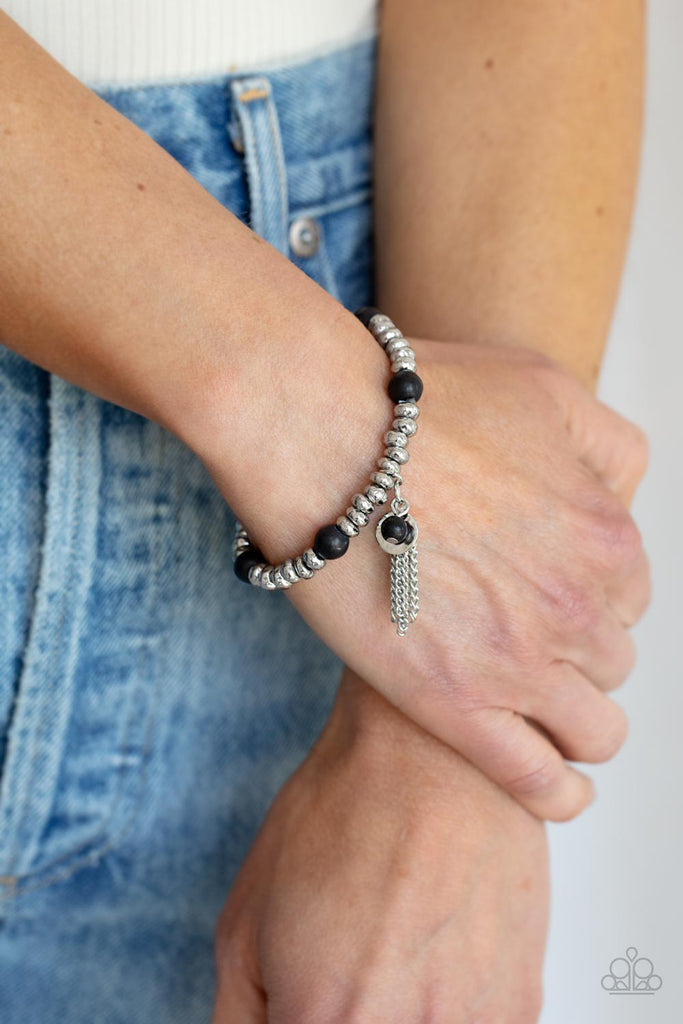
(151, 40)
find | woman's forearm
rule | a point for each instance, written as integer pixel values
(120, 273)
(507, 145)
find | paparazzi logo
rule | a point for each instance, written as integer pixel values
(631, 975)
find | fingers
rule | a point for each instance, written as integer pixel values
(605, 654)
(612, 447)
(524, 762)
(583, 723)
(629, 593)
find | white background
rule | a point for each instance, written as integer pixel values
(618, 870)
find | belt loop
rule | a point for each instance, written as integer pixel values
(259, 137)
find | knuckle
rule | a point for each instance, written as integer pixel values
(622, 537)
(614, 533)
(576, 609)
(640, 451)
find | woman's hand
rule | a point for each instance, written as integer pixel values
(391, 882)
(531, 568)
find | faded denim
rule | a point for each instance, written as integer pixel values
(150, 703)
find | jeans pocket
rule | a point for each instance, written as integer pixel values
(75, 734)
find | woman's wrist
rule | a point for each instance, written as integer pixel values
(289, 418)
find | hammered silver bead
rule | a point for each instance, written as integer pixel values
(403, 364)
(312, 560)
(357, 518)
(267, 582)
(380, 326)
(288, 571)
(385, 333)
(396, 437)
(361, 503)
(407, 353)
(379, 320)
(396, 345)
(405, 425)
(256, 572)
(376, 494)
(239, 545)
(382, 480)
(389, 467)
(399, 455)
(347, 527)
(409, 409)
(279, 579)
(302, 570)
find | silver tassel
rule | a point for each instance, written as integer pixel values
(403, 576)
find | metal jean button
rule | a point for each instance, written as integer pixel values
(304, 236)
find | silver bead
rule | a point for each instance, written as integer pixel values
(379, 320)
(382, 480)
(386, 332)
(241, 532)
(239, 545)
(356, 517)
(399, 455)
(302, 570)
(279, 579)
(347, 527)
(256, 572)
(409, 409)
(361, 503)
(267, 582)
(288, 571)
(405, 425)
(389, 467)
(396, 437)
(376, 494)
(312, 560)
(379, 327)
(396, 345)
(403, 364)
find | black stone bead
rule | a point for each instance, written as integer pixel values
(395, 528)
(410, 534)
(365, 314)
(330, 542)
(246, 559)
(405, 386)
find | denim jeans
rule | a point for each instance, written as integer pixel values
(151, 704)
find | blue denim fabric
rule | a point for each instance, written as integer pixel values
(150, 703)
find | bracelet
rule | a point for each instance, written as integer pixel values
(396, 532)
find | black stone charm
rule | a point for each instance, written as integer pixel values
(247, 558)
(330, 542)
(405, 386)
(396, 528)
(365, 314)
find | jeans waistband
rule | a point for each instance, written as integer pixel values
(323, 104)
